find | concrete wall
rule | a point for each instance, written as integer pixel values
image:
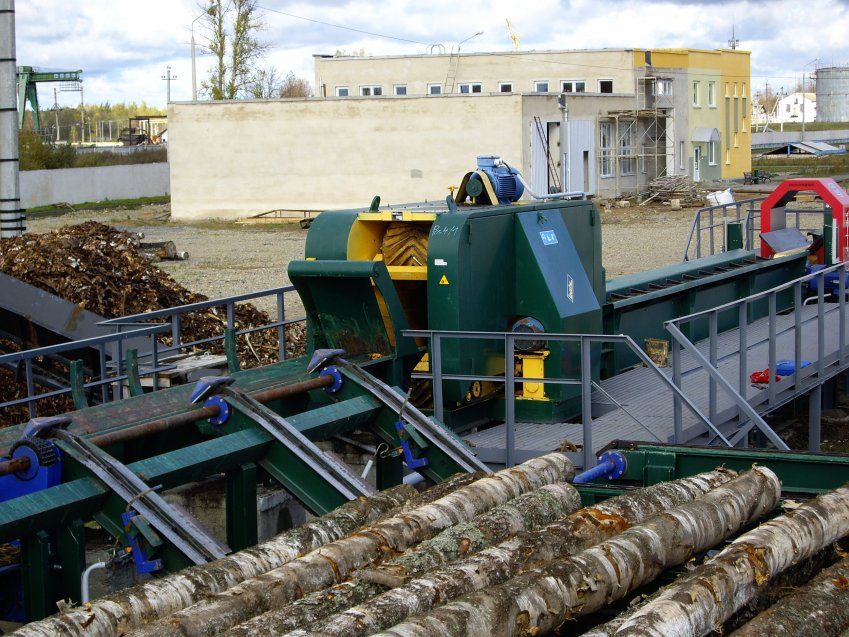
(235, 159)
(79, 185)
(522, 69)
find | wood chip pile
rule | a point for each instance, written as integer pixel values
(513, 555)
(101, 269)
(665, 189)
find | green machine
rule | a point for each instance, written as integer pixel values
(482, 262)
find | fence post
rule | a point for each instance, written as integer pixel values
(712, 337)
(510, 400)
(677, 410)
(175, 332)
(821, 327)
(281, 328)
(841, 290)
(797, 333)
(436, 376)
(587, 402)
(772, 348)
(743, 370)
(30, 387)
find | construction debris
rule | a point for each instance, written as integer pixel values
(680, 188)
(100, 269)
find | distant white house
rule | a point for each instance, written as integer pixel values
(790, 108)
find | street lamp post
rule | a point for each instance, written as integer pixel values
(467, 39)
(194, 68)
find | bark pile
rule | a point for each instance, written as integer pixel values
(491, 566)
(113, 615)
(818, 609)
(542, 599)
(528, 511)
(709, 595)
(334, 562)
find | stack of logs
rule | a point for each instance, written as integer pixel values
(511, 554)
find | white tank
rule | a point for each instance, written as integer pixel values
(833, 94)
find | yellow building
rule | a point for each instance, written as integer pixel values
(713, 113)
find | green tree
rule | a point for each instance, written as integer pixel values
(233, 28)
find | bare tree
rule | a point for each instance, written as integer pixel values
(265, 83)
(294, 86)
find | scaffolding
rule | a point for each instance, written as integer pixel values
(637, 144)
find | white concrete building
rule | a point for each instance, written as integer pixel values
(796, 107)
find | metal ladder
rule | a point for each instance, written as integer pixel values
(451, 75)
(552, 168)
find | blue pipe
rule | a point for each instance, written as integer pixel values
(611, 465)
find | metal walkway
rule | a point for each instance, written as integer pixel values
(638, 405)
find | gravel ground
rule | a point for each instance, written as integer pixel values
(227, 258)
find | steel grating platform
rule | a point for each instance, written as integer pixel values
(649, 402)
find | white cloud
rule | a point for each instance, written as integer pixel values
(124, 46)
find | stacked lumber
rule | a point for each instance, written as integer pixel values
(513, 554)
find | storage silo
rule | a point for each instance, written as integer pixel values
(833, 94)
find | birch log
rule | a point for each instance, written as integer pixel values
(335, 561)
(495, 565)
(531, 510)
(818, 609)
(540, 600)
(113, 615)
(709, 595)
(779, 587)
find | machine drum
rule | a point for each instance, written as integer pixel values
(528, 325)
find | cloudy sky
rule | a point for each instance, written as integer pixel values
(124, 46)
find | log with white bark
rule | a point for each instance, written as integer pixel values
(712, 593)
(779, 587)
(820, 608)
(542, 599)
(334, 562)
(497, 564)
(528, 511)
(115, 614)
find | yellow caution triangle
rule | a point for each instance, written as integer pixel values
(443, 280)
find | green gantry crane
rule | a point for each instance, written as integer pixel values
(28, 77)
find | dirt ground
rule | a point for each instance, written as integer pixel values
(229, 258)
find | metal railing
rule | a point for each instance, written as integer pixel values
(107, 382)
(707, 234)
(155, 324)
(829, 361)
(173, 316)
(585, 380)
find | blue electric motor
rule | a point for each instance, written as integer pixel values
(505, 180)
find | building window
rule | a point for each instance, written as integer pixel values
(605, 86)
(626, 150)
(745, 108)
(573, 86)
(505, 87)
(662, 87)
(469, 87)
(696, 94)
(400, 89)
(341, 91)
(712, 94)
(434, 89)
(606, 148)
(541, 87)
(712, 153)
(368, 91)
(680, 155)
